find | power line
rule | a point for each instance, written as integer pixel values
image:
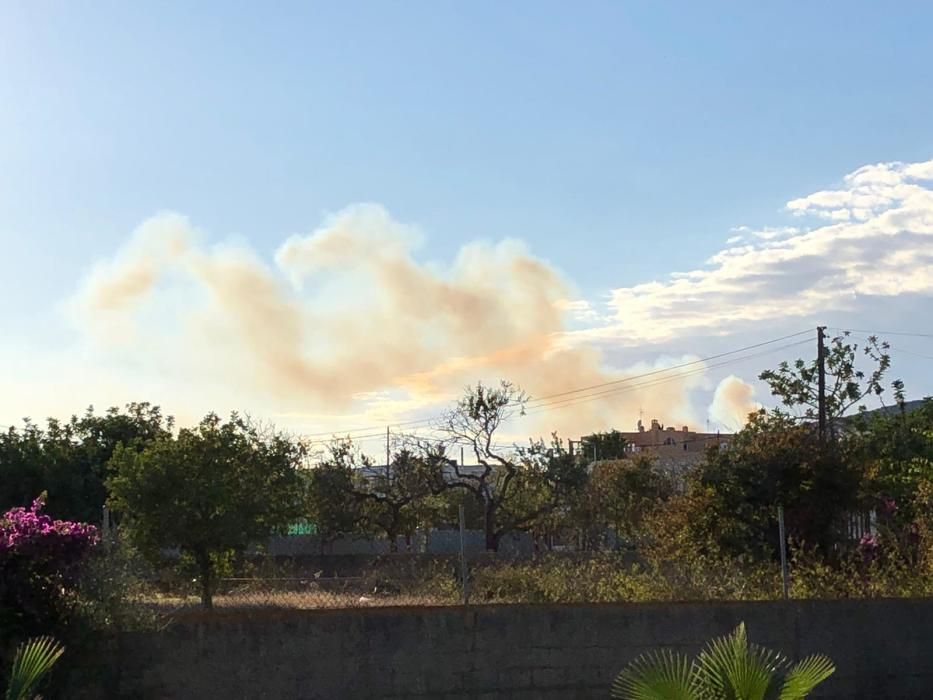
(569, 399)
(668, 369)
(574, 400)
(368, 428)
(536, 403)
(883, 333)
(894, 349)
(381, 436)
(663, 380)
(911, 352)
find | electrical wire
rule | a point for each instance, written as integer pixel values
(894, 349)
(539, 402)
(370, 428)
(911, 352)
(883, 333)
(673, 367)
(658, 381)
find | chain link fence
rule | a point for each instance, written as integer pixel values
(307, 594)
(361, 580)
(404, 581)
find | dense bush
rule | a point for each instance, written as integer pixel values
(113, 580)
(40, 566)
(607, 578)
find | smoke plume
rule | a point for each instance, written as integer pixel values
(732, 403)
(346, 320)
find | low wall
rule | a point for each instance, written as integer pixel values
(882, 648)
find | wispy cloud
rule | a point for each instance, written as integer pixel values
(874, 237)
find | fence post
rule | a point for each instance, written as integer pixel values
(784, 578)
(463, 566)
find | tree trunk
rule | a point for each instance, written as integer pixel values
(489, 525)
(393, 541)
(205, 579)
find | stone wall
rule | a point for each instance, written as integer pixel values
(883, 649)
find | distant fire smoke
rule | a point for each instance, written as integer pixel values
(346, 318)
(732, 403)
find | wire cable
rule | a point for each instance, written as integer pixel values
(539, 402)
(883, 333)
(574, 400)
(668, 369)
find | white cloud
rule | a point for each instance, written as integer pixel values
(877, 241)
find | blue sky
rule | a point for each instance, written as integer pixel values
(621, 142)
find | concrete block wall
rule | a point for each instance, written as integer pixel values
(883, 649)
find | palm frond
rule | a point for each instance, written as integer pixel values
(661, 675)
(805, 676)
(729, 668)
(34, 659)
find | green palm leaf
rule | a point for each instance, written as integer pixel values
(805, 676)
(730, 668)
(661, 675)
(34, 659)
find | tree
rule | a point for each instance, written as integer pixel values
(331, 503)
(778, 459)
(623, 492)
(797, 386)
(600, 446)
(22, 466)
(69, 459)
(515, 487)
(395, 500)
(211, 490)
(896, 451)
(775, 461)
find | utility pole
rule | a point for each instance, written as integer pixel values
(464, 580)
(785, 586)
(821, 368)
(388, 461)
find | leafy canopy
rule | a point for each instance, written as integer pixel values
(518, 488)
(601, 446)
(69, 459)
(847, 384)
(215, 488)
